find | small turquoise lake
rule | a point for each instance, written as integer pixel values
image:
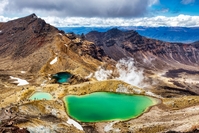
(106, 106)
(41, 96)
(62, 77)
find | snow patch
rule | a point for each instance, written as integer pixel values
(53, 61)
(34, 16)
(109, 127)
(89, 76)
(19, 81)
(23, 71)
(102, 74)
(74, 123)
(152, 94)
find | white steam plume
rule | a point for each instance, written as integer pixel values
(129, 73)
(102, 74)
(126, 72)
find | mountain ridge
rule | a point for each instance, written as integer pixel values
(29, 44)
(131, 44)
(168, 34)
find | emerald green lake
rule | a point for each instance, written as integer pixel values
(105, 106)
(41, 96)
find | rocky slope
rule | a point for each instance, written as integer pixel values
(118, 44)
(33, 50)
(30, 45)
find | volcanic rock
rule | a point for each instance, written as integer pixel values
(119, 44)
(30, 44)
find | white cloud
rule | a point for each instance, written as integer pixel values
(152, 2)
(180, 20)
(2, 6)
(4, 19)
(84, 8)
(185, 2)
(165, 10)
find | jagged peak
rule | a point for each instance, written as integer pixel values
(20, 33)
(33, 15)
(117, 31)
(30, 17)
(114, 30)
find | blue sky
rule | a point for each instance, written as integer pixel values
(176, 7)
(106, 12)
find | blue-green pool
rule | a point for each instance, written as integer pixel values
(105, 106)
(41, 96)
(62, 77)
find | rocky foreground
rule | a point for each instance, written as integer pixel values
(31, 51)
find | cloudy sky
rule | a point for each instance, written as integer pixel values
(105, 12)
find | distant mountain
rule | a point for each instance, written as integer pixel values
(84, 30)
(169, 34)
(119, 44)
